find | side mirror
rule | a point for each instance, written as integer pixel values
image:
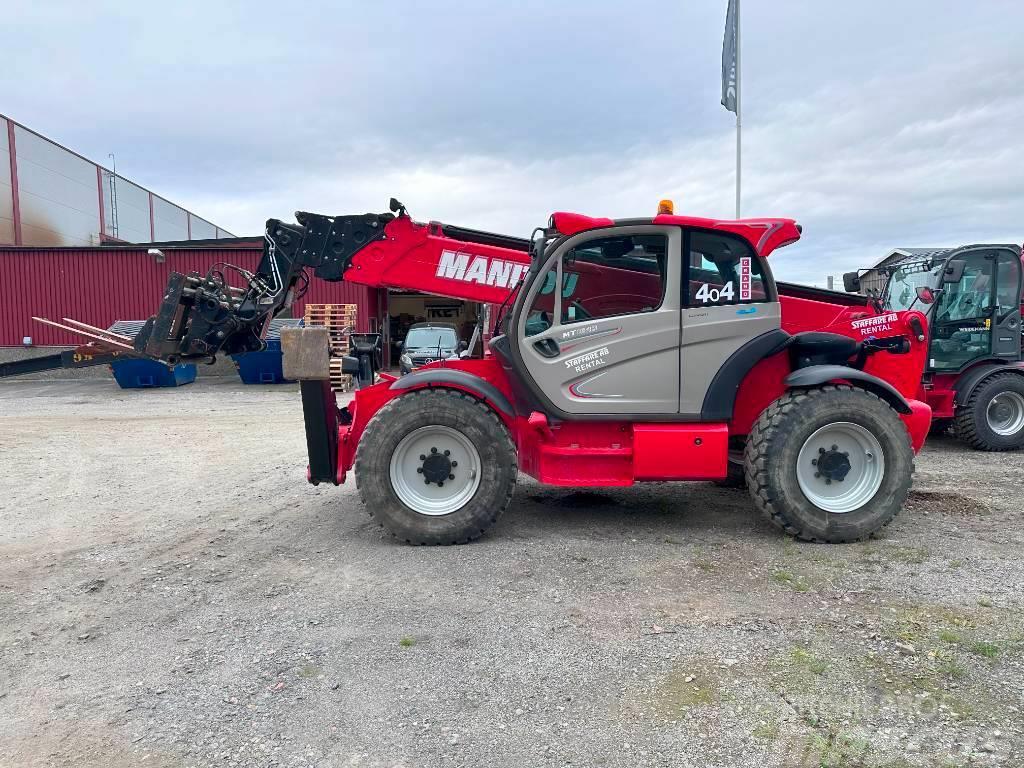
(954, 271)
(851, 282)
(925, 294)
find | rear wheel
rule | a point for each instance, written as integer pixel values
(832, 464)
(992, 419)
(436, 466)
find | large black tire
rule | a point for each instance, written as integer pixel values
(774, 445)
(455, 410)
(972, 423)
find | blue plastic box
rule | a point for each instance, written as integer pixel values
(266, 367)
(142, 374)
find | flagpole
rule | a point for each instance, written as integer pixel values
(739, 95)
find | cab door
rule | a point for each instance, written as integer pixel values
(1006, 337)
(729, 299)
(598, 329)
(964, 314)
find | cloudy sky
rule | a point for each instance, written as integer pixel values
(874, 123)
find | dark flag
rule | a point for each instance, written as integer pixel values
(729, 84)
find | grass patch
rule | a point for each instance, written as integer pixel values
(787, 579)
(682, 689)
(407, 642)
(704, 565)
(766, 731)
(949, 636)
(808, 661)
(984, 648)
(951, 669)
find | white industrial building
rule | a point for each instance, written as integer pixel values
(51, 196)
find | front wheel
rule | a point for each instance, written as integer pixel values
(992, 419)
(832, 464)
(436, 466)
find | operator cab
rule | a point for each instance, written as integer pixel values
(637, 317)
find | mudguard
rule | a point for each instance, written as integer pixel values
(970, 379)
(434, 377)
(816, 375)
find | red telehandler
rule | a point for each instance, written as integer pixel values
(647, 349)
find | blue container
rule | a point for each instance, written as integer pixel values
(266, 367)
(142, 374)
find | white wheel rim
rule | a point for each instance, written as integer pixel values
(1005, 413)
(417, 467)
(845, 450)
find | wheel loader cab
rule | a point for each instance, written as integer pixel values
(976, 316)
(617, 322)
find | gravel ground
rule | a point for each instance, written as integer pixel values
(172, 593)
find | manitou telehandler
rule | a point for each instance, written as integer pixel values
(628, 350)
(974, 379)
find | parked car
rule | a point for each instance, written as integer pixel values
(427, 342)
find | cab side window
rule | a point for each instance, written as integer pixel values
(542, 310)
(1008, 284)
(723, 270)
(613, 276)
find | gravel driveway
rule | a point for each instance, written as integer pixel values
(173, 593)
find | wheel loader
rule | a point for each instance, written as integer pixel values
(632, 350)
(974, 377)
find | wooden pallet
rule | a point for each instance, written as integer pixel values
(340, 321)
(340, 382)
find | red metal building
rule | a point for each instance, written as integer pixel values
(101, 285)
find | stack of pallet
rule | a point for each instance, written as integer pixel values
(340, 321)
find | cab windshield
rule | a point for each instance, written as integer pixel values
(901, 291)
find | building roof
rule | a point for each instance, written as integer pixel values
(898, 254)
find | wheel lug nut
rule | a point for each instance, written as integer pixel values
(419, 470)
(422, 457)
(440, 483)
(425, 480)
(433, 450)
(821, 450)
(455, 463)
(828, 481)
(447, 453)
(451, 477)
(835, 447)
(814, 462)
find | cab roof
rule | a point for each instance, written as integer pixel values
(763, 235)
